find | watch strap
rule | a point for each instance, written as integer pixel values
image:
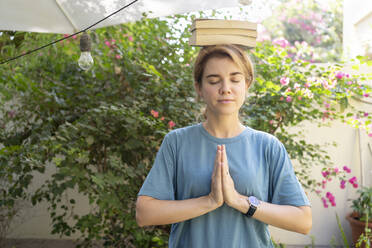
(251, 210)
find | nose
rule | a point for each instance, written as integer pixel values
(225, 88)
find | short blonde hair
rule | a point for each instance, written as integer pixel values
(235, 53)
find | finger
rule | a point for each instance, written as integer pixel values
(225, 163)
(222, 163)
(218, 168)
(222, 159)
(216, 161)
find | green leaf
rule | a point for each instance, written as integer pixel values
(89, 140)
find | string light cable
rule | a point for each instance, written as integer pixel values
(64, 38)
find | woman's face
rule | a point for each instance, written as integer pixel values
(223, 86)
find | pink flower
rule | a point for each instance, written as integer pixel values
(335, 170)
(324, 202)
(326, 104)
(288, 99)
(365, 114)
(171, 124)
(284, 81)
(107, 43)
(307, 85)
(318, 39)
(281, 98)
(118, 56)
(347, 169)
(162, 118)
(352, 180)
(281, 42)
(271, 122)
(325, 173)
(331, 198)
(293, 20)
(366, 95)
(324, 184)
(370, 135)
(154, 113)
(340, 74)
(349, 83)
(355, 185)
(130, 38)
(299, 98)
(342, 184)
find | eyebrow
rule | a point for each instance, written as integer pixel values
(231, 74)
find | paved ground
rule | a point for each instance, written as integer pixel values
(40, 243)
(53, 243)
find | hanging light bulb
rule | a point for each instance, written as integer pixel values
(85, 61)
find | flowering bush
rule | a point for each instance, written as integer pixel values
(334, 173)
(311, 29)
(289, 91)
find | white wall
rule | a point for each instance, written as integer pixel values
(346, 153)
(34, 222)
(357, 29)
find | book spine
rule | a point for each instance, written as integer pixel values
(223, 24)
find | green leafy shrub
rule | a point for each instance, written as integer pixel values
(362, 205)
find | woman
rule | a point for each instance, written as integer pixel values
(219, 183)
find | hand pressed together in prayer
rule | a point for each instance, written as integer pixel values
(222, 186)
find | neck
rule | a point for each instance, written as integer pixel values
(223, 126)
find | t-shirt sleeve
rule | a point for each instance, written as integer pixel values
(285, 189)
(160, 181)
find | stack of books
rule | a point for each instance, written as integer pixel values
(206, 32)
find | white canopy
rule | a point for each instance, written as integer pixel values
(70, 16)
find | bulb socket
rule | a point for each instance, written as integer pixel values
(85, 43)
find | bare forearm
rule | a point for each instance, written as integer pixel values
(150, 211)
(297, 219)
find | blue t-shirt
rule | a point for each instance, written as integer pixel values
(259, 166)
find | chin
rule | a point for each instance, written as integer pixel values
(227, 113)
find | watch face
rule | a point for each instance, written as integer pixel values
(254, 201)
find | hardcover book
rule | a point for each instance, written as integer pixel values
(213, 32)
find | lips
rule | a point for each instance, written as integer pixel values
(226, 100)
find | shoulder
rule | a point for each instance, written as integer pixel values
(269, 144)
(183, 132)
(263, 137)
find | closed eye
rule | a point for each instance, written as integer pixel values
(236, 80)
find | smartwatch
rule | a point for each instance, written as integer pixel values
(253, 205)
